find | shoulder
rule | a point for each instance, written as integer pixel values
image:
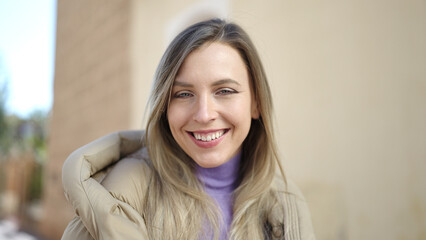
(296, 215)
(129, 178)
(92, 161)
(117, 161)
(96, 176)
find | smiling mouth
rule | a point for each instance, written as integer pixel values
(210, 136)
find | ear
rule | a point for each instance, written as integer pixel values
(255, 110)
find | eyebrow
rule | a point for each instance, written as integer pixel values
(217, 83)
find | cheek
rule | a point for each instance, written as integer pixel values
(173, 117)
(240, 113)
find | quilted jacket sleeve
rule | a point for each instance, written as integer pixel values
(297, 221)
(290, 218)
(99, 214)
(76, 230)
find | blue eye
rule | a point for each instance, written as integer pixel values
(182, 95)
(225, 91)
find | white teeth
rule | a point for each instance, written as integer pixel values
(209, 137)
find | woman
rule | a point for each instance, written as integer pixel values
(207, 167)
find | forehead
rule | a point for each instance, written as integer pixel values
(213, 61)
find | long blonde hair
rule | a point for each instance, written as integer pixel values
(176, 207)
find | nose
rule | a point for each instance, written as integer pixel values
(205, 110)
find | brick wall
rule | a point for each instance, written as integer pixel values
(91, 90)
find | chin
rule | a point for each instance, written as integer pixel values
(206, 162)
(210, 162)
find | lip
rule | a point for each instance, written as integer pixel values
(209, 144)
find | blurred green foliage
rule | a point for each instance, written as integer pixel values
(20, 136)
(4, 130)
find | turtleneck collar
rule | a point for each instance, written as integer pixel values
(221, 179)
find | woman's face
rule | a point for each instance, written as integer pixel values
(211, 105)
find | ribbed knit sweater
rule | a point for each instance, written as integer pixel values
(220, 183)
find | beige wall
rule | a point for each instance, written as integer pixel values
(349, 88)
(349, 85)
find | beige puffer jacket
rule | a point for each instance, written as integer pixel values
(105, 182)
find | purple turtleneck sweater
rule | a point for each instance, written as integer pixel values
(220, 183)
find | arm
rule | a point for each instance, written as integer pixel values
(290, 217)
(76, 230)
(297, 220)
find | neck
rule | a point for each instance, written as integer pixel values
(222, 178)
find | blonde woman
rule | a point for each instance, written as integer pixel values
(207, 167)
